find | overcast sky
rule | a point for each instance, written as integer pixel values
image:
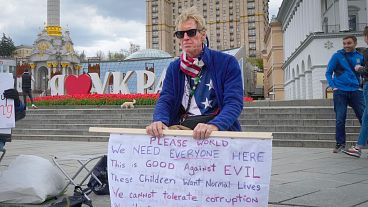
(106, 25)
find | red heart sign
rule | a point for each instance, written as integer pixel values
(78, 84)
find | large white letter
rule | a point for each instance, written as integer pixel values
(124, 84)
(116, 82)
(141, 82)
(160, 82)
(57, 85)
(97, 86)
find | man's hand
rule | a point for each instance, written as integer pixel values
(156, 129)
(203, 131)
(12, 94)
(358, 68)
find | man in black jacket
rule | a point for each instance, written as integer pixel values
(26, 87)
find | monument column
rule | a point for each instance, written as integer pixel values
(53, 18)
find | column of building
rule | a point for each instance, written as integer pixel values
(64, 67)
(366, 7)
(317, 14)
(303, 82)
(302, 29)
(49, 66)
(343, 15)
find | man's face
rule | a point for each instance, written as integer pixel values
(366, 39)
(349, 45)
(191, 45)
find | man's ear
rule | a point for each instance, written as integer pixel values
(204, 35)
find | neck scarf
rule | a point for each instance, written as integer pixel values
(190, 66)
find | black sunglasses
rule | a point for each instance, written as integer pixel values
(190, 33)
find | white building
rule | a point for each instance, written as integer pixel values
(313, 31)
(7, 65)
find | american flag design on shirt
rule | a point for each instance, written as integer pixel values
(204, 100)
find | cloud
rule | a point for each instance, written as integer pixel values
(21, 20)
(95, 32)
(94, 25)
(126, 9)
(274, 6)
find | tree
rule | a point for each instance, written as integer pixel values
(133, 48)
(82, 56)
(115, 56)
(100, 55)
(257, 62)
(6, 46)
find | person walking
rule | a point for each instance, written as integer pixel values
(356, 150)
(26, 88)
(344, 81)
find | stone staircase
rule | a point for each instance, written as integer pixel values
(304, 124)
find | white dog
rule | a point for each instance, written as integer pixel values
(128, 104)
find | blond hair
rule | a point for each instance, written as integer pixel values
(191, 13)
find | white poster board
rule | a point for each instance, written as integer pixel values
(178, 171)
(7, 117)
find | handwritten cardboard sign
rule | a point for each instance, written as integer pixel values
(7, 117)
(176, 171)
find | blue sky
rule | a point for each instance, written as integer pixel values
(106, 25)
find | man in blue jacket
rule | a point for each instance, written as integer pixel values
(203, 86)
(344, 81)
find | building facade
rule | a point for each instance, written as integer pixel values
(272, 62)
(23, 52)
(312, 33)
(7, 65)
(230, 24)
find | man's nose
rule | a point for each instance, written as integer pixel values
(186, 35)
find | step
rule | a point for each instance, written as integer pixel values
(290, 103)
(292, 116)
(294, 128)
(81, 125)
(86, 116)
(88, 111)
(105, 138)
(308, 143)
(83, 138)
(301, 122)
(67, 131)
(144, 123)
(31, 122)
(311, 136)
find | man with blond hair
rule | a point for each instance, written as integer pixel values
(203, 89)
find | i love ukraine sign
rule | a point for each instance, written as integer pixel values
(91, 83)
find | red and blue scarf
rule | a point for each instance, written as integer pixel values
(190, 66)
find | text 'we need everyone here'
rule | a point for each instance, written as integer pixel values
(185, 172)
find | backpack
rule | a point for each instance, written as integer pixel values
(100, 171)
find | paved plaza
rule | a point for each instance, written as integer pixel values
(305, 177)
